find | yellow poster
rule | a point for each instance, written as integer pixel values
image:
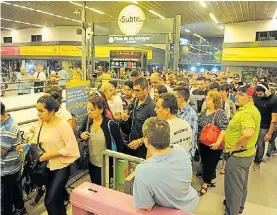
(257, 54)
(39, 50)
(70, 51)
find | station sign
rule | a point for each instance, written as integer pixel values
(146, 39)
(131, 19)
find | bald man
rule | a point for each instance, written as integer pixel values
(26, 79)
(156, 79)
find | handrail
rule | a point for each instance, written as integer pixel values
(30, 88)
(105, 170)
(34, 81)
(128, 183)
(24, 107)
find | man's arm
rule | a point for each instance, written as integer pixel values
(142, 196)
(246, 134)
(268, 136)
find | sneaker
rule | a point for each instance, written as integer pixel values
(266, 159)
(274, 152)
(256, 167)
(20, 211)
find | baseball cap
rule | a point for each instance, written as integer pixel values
(247, 89)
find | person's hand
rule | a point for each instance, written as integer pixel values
(235, 148)
(214, 146)
(134, 144)
(125, 116)
(45, 156)
(267, 137)
(85, 135)
(20, 147)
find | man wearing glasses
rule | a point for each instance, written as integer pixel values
(138, 112)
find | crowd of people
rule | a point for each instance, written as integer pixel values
(172, 120)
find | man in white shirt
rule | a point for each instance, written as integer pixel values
(180, 130)
(39, 78)
(156, 79)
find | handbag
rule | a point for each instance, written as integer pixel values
(35, 169)
(210, 133)
(113, 143)
(82, 161)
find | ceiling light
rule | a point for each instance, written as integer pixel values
(213, 18)
(275, 14)
(7, 28)
(157, 14)
(97, 11)
(134, 1)
(187, 30)
(89, 8)
(26, 23)
(203, 3)
(40, 11)
(222, 27)
(75, 3)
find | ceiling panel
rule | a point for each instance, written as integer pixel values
(194, 17)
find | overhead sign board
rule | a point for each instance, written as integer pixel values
(146, 39)
(9, 51)
(131, 19)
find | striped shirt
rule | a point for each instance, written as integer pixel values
(11, 162)
(188, 114)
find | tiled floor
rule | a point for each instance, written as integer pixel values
(262, 193)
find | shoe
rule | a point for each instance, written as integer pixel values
(199, 174)
(274, 152)
(256, 167)
(20, 211)
(266, 159)
(202, 191)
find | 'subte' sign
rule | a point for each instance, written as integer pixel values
(130, 20)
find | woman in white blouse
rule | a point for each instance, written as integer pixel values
(61, 149)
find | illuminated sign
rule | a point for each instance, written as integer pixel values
(131, 19)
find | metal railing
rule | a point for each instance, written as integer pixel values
(105, 170)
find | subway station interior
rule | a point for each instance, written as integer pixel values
(143, 52)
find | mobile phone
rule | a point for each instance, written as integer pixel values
(26, 148)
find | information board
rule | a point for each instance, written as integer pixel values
(77, 94)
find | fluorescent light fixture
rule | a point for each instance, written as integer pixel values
(202, 70)
(76, 3)
(222, 27)
(134, 1)
(40, 11)
(213, 18)
(187, 30)
(275, 14)
(7, 28)
(157, 14)
(95, 10)
(26, 23)
(214, 69)
(89, 8)
(203, 3)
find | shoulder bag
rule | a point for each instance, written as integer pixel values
(113, 143)
(210, 134)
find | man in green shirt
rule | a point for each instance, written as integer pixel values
(240, 139)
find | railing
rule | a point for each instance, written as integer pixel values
(116, 156)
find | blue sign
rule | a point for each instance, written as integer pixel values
(77, 95)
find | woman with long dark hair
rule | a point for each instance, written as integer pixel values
(100, 131)
(61, 149)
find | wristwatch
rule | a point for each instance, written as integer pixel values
(140, 143)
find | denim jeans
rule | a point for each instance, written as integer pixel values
(271, 145)
(260, 146)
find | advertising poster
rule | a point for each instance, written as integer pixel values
(77, 95)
